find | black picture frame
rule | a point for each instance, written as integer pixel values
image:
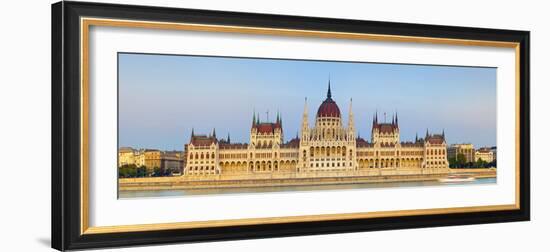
(66, 150)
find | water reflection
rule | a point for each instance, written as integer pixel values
(184, 192)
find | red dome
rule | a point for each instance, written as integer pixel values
(328, 109)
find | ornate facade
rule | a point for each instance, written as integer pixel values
(328, 145)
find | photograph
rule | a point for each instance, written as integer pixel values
(200, 125)
(185, 124)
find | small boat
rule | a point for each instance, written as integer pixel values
(455, 178)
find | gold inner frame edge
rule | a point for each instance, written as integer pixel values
(85, 24)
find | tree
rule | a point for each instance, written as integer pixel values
(127, 171)
(460, 160)
(157, 172)
(480, 163)
(452, 162)
(141, 171)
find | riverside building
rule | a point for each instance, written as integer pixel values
(329, 145)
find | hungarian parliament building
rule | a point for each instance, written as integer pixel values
(327, 145)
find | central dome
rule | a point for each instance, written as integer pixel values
(328, 108)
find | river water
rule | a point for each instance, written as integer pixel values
(185, 192)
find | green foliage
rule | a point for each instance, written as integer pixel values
(131, 171)
(481, 163)
(452, 162)
(460, 162)
(141, 171)
(460, 159)
(157, 172)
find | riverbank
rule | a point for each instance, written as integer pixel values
(292, 179)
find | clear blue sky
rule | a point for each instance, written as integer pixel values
(161, 97)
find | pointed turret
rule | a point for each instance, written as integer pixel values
(427, 134)
(416, 138)
(305, 125)
(253, 119)
(214, 133)
(443, 134)
(192, 132)
(351, 123)
(228, 138)
(305, 108)
(396, 120)
(329, 94)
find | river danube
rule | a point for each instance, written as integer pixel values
(185, 192)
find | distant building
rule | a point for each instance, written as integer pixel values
(467, 150)
(126, 156)
(485, 154)
(151, 159)
(172, 161)
(494, 151)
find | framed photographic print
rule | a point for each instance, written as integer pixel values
(180, 125)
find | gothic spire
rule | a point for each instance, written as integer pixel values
(214, 133)
(228, 138)
(416, 138)
(351, 123)
(305, 125)
(192, 132)
(329, 94)
(253, 118)
(396, 120)
(305, 107)
(427, 133)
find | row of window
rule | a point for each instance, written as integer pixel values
(337, 164)
(201, 168)
(327, 159)
(233, 155)
(289, 155)
(436, 152)
(436, 162)
(317, 151)
(202, 155)
(201, 162)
